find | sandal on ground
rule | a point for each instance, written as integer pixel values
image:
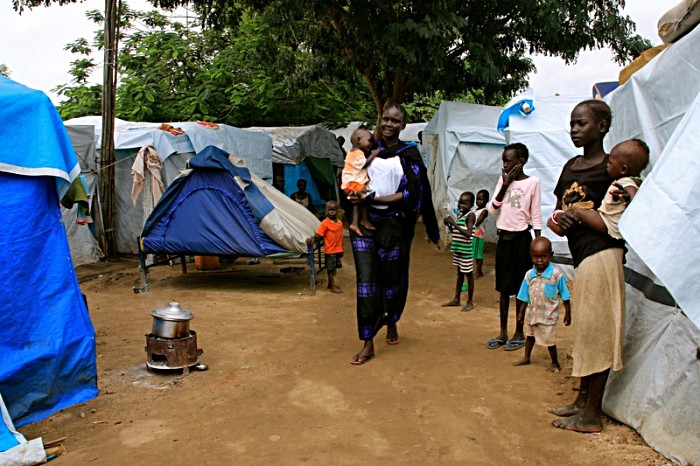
(358, 360)
(495, 343)
(392, 341)
(513, 345)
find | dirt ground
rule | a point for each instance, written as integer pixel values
(280, 389)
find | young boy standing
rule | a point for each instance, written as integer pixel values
(331, 231)
(463, 249)
(540, 292)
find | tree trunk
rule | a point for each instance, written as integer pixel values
(106, 178)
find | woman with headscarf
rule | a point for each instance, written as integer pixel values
(382, 255)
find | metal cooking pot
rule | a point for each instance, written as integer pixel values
(172, 321)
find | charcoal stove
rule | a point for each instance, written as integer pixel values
(173, 353)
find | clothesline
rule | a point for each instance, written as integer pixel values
(118, 161)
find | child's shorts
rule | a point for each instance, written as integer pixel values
(478, 247)
(543, 333)
(333, 261)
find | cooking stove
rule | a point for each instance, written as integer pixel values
(173, 353)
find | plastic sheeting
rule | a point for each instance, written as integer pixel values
(661, 105)
(47, 341)
(656, 392)
(250, 145)
(292, 144)
(465, 155)
(14, 448)
(34, 140)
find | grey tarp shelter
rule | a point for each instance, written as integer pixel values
(465, 154)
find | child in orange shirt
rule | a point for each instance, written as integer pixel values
(355, 179)
(331, 231)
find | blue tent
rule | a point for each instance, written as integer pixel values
(47, 341)
(215, 210)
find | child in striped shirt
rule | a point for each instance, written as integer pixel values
(463, 248)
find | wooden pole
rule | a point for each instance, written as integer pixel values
(111, 44)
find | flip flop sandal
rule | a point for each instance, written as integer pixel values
(392, 341)
(513, 345)
(358, 360)
(495, 343)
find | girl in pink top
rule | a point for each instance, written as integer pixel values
(518, 210)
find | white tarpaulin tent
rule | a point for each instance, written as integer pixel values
(545, 131)
(465, 154)
(657, 391)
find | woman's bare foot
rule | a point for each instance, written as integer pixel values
(454, 302)
(564, 411)
(367, 225)
(335, 289)
(577, 424)
(522, 362)
(554, 368)
(355, 229)
(468, 307)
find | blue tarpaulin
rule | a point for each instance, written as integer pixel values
(47, 341)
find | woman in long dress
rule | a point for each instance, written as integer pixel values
(382, 255)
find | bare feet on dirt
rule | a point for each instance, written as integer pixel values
(564, 411)
(554, 368)
(453, 303)
(522, 362)
(577, 424)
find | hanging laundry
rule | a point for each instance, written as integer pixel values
(147, 162)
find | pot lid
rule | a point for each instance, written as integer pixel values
(172, 312)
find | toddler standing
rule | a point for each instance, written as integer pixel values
(463, 249)
(540, 293)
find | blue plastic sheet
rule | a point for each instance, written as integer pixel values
(47, 341)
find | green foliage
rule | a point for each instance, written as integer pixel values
(278, 62)
(423, 107)
(418, 47)
(242, 76)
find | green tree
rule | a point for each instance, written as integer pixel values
(401, 49)
(242, 75)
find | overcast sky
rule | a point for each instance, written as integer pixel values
(32, 47)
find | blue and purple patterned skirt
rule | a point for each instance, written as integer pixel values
(381, 265)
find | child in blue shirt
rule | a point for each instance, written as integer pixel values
(539, 293)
